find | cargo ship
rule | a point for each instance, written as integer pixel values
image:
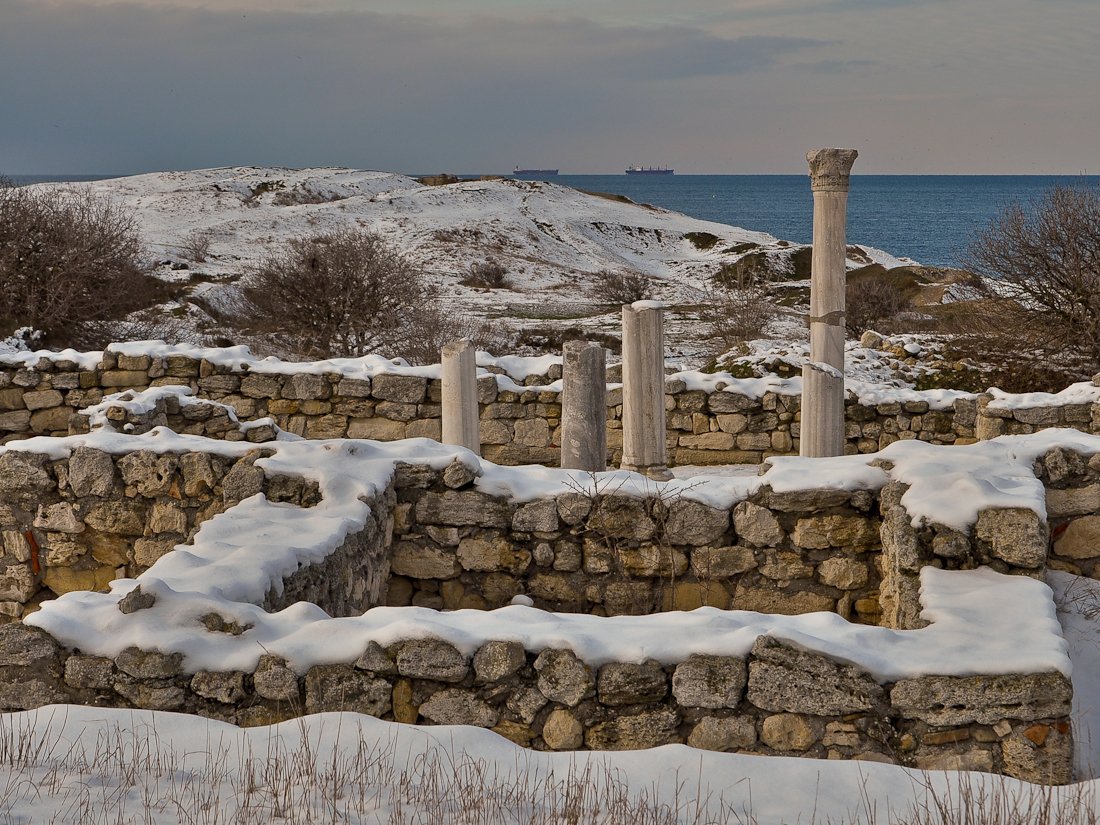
(534, 173)
(649, 170)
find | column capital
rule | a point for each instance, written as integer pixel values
(830, 169)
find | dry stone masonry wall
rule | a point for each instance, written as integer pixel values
(519, 423)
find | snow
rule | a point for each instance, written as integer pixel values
(1084, 392)
(1078, 601)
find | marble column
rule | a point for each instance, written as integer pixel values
(644, 389)
(460, 411)
(584, 407)
(822, 429)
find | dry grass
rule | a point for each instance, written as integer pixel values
(127, 774)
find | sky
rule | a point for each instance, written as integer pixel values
(588, 86)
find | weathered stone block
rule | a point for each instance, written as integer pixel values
(713, 733)
(789, 732)
(89, 672)
(496, 660)
(487, 555)
(536, 517)
(703, 681)
(124, 378)
(820, 532)
(42, 400)
(1015, 535)
(649, 729)
(986, 700)
(150, 474)
(410, 389)
(458, 707)
(431, 659)
(149, 664)
(625, 683)
(783, 677)
(562, 731)
(227, 687)
(274, 681)
(692, 522)
(562, 677)
(343, 688)
(419, 561)
(461, 508)
(621, 516)
(756, 525)
(377, 429)
(91, 472)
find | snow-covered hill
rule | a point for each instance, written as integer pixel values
(551, 238)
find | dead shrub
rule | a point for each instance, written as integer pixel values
(69, 258)
(621, 287)
(488, 274)
(872, 303)
(737, 315)
(196, 245)
(344, 293)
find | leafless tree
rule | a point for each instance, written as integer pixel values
(1041, 271)
(343, 293)
(736, 315)
(871, 303)
(68, 258)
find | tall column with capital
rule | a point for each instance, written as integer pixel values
(822, 430)
(460, 411)
(644, 448)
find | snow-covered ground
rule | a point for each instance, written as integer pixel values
(551, 238)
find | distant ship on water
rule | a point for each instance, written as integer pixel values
(649, 170)
(533, 173)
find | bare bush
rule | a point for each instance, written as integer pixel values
(873, 303)
(1041, 272)
(196, 245)
(488, 274)
(345, 293)
(68, 258)
(621, 287)
(736, 315)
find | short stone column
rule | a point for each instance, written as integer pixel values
(822, 430)
(584, 407)
(644, 389)
(460, 412)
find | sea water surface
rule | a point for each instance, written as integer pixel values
(932, 219)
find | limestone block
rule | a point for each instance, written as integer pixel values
(11, 399)
(629, 598)
(16, 421)
(167, 518)
(709, 681)
(649, 729)
(756, 525)
(801, 501)
(784, 565)
(63, 517)
(626, 683)
(149, 664)
(729, 402)
(772, 600)
(227, 687)
(976, 759)
(395, 411)
(1081, 540)
(378, 429)
(425, 428)
(653, 560)
(24, 477)
(63, 580)
(343, 688)
(218, 385)
(17, 583)
(986, 700)
(842, 572)
(459, 707)
(783, 677)
(692, 595)
(573, 508)
(820, 532)
(526, 703)
(734, 423)
(721, 562)
(353, 388)
(42, 400)
(562, 731)
(713, 733)
(1041, 754)
(495, 431)
(1075, 501)
(431, 659)
(275, 681)
(89, 672)
(487, 555)
(692, 522)
(243, 480)
(124, 378)
(306, 386)
(621, 516)
(124, 518)
(790, 732)
(462, 508)
(148, 550)
(419, 561)
(1015, 535)
(150, 474)
(532, 432)
(327, 426)
(536, 517)
(154, 695)
(496, 660)
(261, 385)
(91, 472)
(709, 441)
(410, 389)
(562, 677)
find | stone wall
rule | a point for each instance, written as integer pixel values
(518, 425)
(779, 699)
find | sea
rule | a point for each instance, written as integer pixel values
(932, 219)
